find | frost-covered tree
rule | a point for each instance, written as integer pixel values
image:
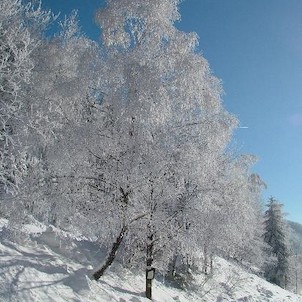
(227, 216)
(62, 101)
(276, 238)
(242, 211)
(167, 112)
(295, 257)
(53, 105)
(295, 273)
(20, 34)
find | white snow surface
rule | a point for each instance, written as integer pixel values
(45, 264)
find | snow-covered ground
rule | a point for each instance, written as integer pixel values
(46, 265)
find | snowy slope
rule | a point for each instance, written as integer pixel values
(43, 265)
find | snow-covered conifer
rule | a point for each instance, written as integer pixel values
(275, 237)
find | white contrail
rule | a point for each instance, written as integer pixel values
(243, 127)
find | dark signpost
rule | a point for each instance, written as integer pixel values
(150, 273)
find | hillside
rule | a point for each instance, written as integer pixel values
(44, 264)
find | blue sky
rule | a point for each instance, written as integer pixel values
(255, 48)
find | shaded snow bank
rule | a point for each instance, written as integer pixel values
(49, 265)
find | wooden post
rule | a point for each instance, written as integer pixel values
(148, 287)
(150, 273)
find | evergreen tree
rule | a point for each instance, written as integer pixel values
(275, 236)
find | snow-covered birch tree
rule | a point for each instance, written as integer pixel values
(167, 105)
(63, 100)
(226, 216)
(20, 34)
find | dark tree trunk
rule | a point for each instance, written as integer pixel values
(205, 260)
(98, 274)
(149, 265)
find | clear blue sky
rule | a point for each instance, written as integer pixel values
(255, 47)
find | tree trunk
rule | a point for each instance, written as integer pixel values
(149, 265)
(205, 260)
(211, 263)
(98, 274)
(173, 265)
